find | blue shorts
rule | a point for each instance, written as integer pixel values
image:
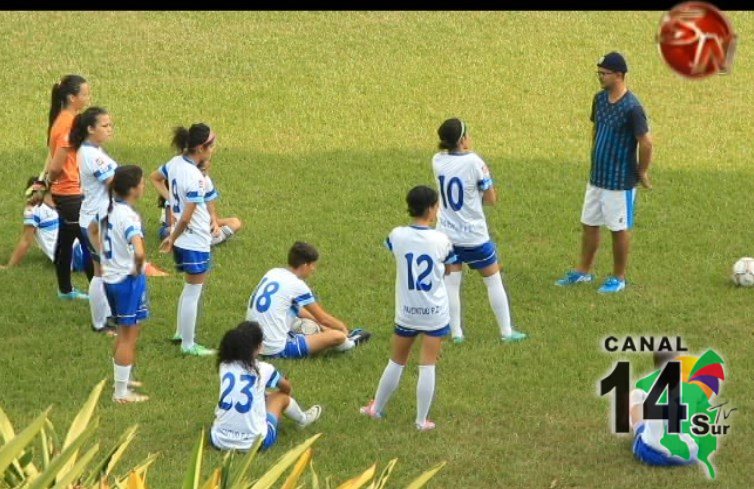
(410, 333)
(192, 262)
(295, 347)
(164, 231)
(478, 256)
(272, 432)
(87, 247)
(77, 264)
(128, 300)
(652, 456)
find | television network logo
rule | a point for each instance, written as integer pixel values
(697, 40)
(681, 395)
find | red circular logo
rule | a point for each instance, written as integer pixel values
(697, 40)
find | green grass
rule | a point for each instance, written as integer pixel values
(325, 120)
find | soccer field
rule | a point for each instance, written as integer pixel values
(324, 122)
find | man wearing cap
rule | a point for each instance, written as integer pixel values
(620, 126)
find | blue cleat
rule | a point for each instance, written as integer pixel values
(574, 277)
(73, 295)
(612, 285)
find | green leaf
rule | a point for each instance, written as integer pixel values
(425, 477)
(15, 447)
(191, 481)
(381, 481)
(274, 473)
(240, 474)
(53, 471)
(105, 466)
(77, 469)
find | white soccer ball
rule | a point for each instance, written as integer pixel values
(743, 272)
(305, 326)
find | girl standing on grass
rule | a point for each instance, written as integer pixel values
(191, 238)
(69, 97)
(120, 241)
(465, 185)
(91, 129)
(245, 412)
(421, 303)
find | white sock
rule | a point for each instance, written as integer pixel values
(425, 391)
(178, 318)
(346, 345)
(389, 381)
(453, 286)
(294, 412)
(499, 302)
(121, 374)
(225, 234)
(187, 313)
(98, 305)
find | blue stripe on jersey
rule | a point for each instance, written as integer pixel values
(164, 170)
(388, 244)
(614, 150)
(30, 222)
(103, 176)
(194, 197)
(484, 184)
(132, 232)
(274, 380)
(49, 225)
(304, 300)
(451, 258)
(211, 195)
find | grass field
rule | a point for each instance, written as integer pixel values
(325, 120)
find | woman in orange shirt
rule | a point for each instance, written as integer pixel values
(69, 97)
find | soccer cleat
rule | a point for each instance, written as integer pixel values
(574, 277)
(370, 411)
(176, 339)
(359, 336)
(458, 340)
(107, 329)
(612, 285)
(312, 414)
(426, 425)
(72, 295)
(135, 384)
(198, 351)
(515, 337)
(130, 397)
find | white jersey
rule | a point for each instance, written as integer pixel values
(275, 304)
(186, 183)
(654, 430)
(117, 257)
(462, 178)
(421, 301)
(241, 414)
(95, 168)
(45, 219)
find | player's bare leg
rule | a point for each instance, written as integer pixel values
(621, 246)
(590, 243)
(453, 279)
(329, 338)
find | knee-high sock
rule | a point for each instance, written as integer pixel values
(294, 412)
(121, 373)
(425, 391)
(499, 302)
(389, 381)
(453, 286)
(98, 305)
(508, 296)
(187, 314)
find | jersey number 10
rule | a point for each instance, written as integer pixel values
(456, 202)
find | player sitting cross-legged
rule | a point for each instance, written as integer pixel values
(282, 296)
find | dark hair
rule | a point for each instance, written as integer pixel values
(188, 140)
(161, 201)
(125, 178)
(31, 181)
(660, 358)
(81, 124)
(451, 132)
(302, 254)
(68, 85)
(240, 344)
(420, 199)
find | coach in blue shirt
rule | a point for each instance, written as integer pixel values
(620, 126)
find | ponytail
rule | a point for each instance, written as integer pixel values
(180, 139)
(188, 140)
(81, 124)
(68, 85)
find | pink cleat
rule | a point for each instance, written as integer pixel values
(370, 411)
(426, 425)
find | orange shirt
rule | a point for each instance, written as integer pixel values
(69, 181)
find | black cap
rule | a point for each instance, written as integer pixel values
(614, 62)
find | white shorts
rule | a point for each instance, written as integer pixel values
(611, 208)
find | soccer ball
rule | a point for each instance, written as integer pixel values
(743, 272)
(305, 326)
